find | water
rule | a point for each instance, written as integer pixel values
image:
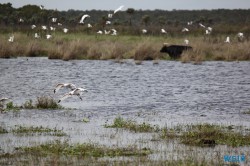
(168, 93)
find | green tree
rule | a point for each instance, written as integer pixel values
(130, 11)
(146, 19)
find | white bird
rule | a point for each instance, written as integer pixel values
(41, 7)
(106, 32)
(83, 18)
(185, 30)
(48, 36)
(89, 26)
(108, 22)
(33, 26)
(59, 24)
(11, 39)
(163, 31)
(210, 29)
(203, 26)
(207, 32)
(118, 9)
(37, 36)
(21, 20)
(66, 85)
(227, 39)
(44, 27)
(99, 32)
(110, 15)
(52, 28)
(240, 34)
(114, 32)
(76, 92)
(65, 30)
(54, 19)
(186, 41)
(189, 22)
(144, 31)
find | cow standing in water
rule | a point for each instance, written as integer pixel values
(175, 51)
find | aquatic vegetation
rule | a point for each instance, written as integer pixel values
(3, 130)
(119, 122)
(39, 130)
(82, 150)
(47, 102)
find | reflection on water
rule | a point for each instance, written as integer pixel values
(166, 94)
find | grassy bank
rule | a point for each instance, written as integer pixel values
(103, 47)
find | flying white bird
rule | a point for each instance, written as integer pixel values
(144, 31)
(227, 39)
(185, 30)
(106, 32)
(76, 92)
(66, 85)
(108, 22)
(59, 24)
(65, 30)
(163, 31)
(83, 18)
(203, 26)
(118, 9)
(114, 32)
(210, 29)
(11, 39)
(41, 7)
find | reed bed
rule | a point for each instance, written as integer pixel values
(82, 46)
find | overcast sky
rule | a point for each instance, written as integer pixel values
(136, 4)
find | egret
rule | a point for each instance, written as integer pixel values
(189, 22)
(207, 32)
(144, 31)
(54, 19)
(108, 22)
(33, 26)
(186, 41)
(65, 30)
(203, 26)
(21, 20)
(48, 36)
(210, 29)
(185, 30)
(11, 39)
(83, 18)
(89, 26)
(52, 28)
(66, 85)
(76, 92)
(44, 27)
(106, 32)
(59, 24)
(227, 39)
(99, 32)
(118, 9)
(110, 15)
(37, 36)
(114, 32)
(163, 31)
(240, 34)
(41, 7)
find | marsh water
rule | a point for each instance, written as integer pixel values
(166, 94)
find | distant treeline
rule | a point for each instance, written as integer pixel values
(129, 20)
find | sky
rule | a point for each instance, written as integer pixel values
(136, 4)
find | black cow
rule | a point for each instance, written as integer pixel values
(175, 51)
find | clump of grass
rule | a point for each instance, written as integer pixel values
(119, 122)
(3, 130)
(34, 49)
(75, 50)
(11, 106)
(207, 135)
(46, 102)
(28, 104)
(247, 112)
(39, 129)
(145, 51)
(83, 150)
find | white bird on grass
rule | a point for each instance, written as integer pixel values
(83, 18)
(59, 24)
(37, 36)
(144, 31)
(66, 85)
(89, 26)
(100, 32)
(186, 41)
(52, 28)
(48, 36)
(114, 32)
(163, 31)
(54, 19)
(65, 30)
(44, 27)
(108, 22)
(33, 26)
(185, 30)
(76, 92)
(227, 39)
(106, 32)
(118, 9)
(11, 39)
(110, 15)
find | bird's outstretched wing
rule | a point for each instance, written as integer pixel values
(118, 9)
(64, 97)
(58, 86)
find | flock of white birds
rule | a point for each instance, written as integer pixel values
(208, 30)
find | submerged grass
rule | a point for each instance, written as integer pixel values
(39, 130)
(83, 150)
(119, 122)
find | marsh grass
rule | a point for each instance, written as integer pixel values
(119, 122)
(46, 102)
(84, 46)
(38, 130)
(3, 130)
(207, 135)
(83, 150)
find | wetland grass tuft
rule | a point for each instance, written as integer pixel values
(83, 150)
(46, 102)
(119, 122)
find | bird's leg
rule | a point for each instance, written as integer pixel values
(79, 97)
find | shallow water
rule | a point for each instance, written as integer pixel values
(168, 93)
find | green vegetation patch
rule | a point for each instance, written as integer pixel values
(39, 129)
(43, 102)
(3, 130)
(208, 135)
(86, 149)
(119, 122)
